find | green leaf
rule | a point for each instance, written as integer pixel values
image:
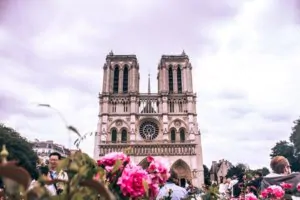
(146, 187)
(117, 166)
(73, 129)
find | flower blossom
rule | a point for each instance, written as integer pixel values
(298, 187)
(109, 160)
(250, 196)
(273, 191)
(158, 170)
(132, 181)
(286, 186)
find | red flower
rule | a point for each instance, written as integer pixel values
(286, 186)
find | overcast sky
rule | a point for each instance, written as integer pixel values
(245, 56)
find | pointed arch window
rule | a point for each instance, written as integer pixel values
(179, 80)
(173, 135)
(125, 79)
(182, 135)
(116, 79)
(170, 79)
(124, 136)
(114, 135)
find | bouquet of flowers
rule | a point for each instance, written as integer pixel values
(127, 180)
(284, 191)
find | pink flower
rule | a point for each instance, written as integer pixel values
(109, 160)
(298, 187)
(158, 170)
(275, 191)
(131, 181)
(250, 196)
(265, 193)
(286, 186)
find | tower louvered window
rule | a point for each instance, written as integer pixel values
(116, 79)
(179, 80)
(125, 80)
(170, 79)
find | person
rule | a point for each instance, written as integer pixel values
(56, 188)
(281, 173)
(171, 188)
(232, 182)
(254, 185)
(223, 188)
(239, 187)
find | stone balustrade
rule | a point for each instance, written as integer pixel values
(145, 149)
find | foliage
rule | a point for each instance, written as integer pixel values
(295, 136)
(81, 170)
(286, 149)
(206, 175)
(211, 192)
(265, 171)
(237, 170)
(19, 149)
(290, 150)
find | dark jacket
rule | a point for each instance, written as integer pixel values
(255, 185)
(277, 179)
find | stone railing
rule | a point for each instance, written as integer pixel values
(151, 148)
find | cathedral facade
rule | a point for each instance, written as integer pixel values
(158, 124)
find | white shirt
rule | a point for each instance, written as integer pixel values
(177, 194)
(223, 188)
(62, 176)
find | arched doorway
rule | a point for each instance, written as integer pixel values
(183, 170)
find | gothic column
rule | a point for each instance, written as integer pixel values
(184, 79)
(132, 79)
(121, 73)
(166, 79)
(175, 89)
(190, 76)
(111, 80)
(162, 79)
(104, 85)
(108, 80)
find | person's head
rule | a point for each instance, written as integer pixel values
(258, 174)
(173, 177)
(54, 158)
(280, 165)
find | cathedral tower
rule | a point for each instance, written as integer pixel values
(157, 124)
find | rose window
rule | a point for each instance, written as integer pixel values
(149, 130)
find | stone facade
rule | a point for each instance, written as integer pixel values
(219, 170)
(158, 124)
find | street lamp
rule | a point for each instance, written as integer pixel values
(61, 117)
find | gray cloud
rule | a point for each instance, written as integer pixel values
(244, 56)
(11, 104)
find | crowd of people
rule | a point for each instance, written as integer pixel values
(233, 187)
(238, 186)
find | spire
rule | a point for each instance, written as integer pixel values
(149, 90)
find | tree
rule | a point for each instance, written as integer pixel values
(265, 171)
(286, 149)
(19, 149)
(237, 170)
(295, 136)
(206, 175)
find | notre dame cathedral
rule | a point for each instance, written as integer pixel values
(157, 124)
